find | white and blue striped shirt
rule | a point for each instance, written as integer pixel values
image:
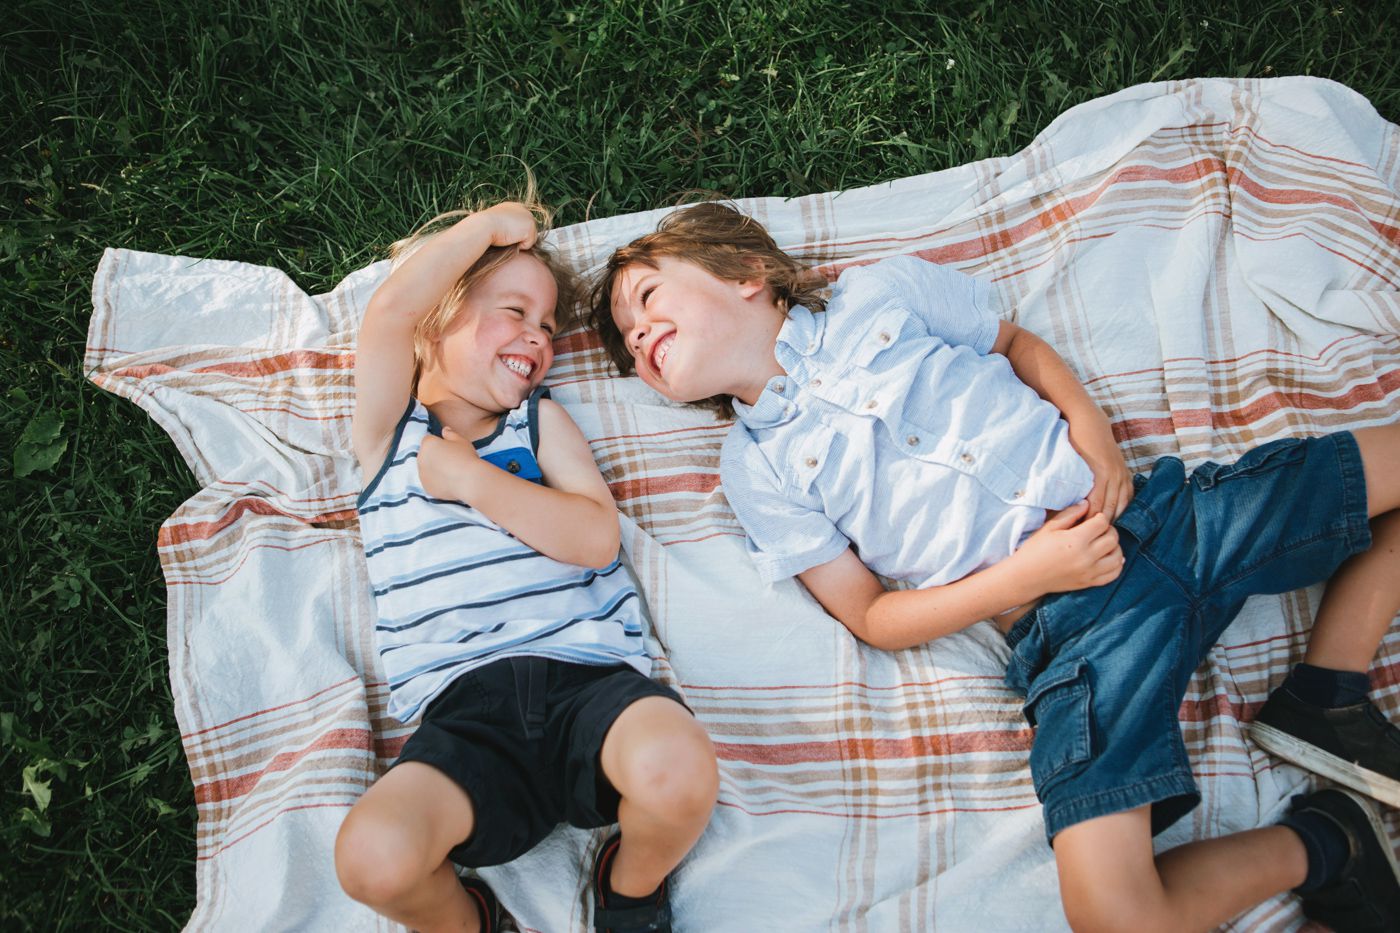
(895, 430)
(454, 590)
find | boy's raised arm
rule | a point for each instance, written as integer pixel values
(384, 348)
(1037, 364)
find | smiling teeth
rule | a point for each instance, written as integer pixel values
(518, 366)
(662, 350)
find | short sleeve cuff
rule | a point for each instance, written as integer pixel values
(774, 568)
(989, 325)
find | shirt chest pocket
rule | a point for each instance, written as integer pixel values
(816, 454)
(876, 342)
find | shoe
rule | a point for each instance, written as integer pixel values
(1365, 896)
(1351, 745)
(485, 900)
(648, 918)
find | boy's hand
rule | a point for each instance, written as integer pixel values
(442, 462)
(1073, 550)
(510, 223)
(1113, 484)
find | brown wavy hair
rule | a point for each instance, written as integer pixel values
(725, 243)
(444, 314)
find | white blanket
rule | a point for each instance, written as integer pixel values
(1217, 260)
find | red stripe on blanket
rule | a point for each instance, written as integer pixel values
(267, 366)
(171, 535)
(919, 746)
(1320, 245)
(1305, 196)
(578, 341)
(841, 685)
(228, 788)
(1384, 386)
(847, 812)
(642, 486)
(186, 736)
(172, 580)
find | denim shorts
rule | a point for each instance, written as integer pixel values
(522, 737)
(1104, 670)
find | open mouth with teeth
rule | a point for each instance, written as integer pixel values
(661, 350)
(520, 365)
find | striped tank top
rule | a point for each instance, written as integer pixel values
(453, 590)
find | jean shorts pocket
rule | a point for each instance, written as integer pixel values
(1261, 459)
(1058, 705)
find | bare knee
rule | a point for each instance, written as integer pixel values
(675, 776)
(1380, 458)
(375, 862)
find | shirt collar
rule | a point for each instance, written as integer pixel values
(799, 337)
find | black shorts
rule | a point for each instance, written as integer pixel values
(522, 737)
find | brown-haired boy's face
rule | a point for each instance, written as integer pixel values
(692, 334)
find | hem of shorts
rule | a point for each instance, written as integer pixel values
(1103, 803)
(600, 732)
(1358, 522)
(455, 773)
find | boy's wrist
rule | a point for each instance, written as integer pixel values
(1027, 580)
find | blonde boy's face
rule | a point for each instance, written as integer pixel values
(503, 344)
(690, 332)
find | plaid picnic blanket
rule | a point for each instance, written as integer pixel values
(1218, 261)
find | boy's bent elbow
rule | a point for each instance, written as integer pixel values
(606, 543)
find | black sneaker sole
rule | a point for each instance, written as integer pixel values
(1306, 755)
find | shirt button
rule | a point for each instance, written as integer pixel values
(780, 387)
(1018, 494)
(815, 383)
(884, 337)
(968, 458)
(912, 440)
(871, 405)
(810, 461)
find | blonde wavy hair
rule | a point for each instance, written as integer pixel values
(725, 243)
(443, 317)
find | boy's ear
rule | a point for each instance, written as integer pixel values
(756, 283)
(750, 287)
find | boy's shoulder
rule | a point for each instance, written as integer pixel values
(905, 280)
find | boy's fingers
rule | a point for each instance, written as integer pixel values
(1096, 496)
(1067, 516)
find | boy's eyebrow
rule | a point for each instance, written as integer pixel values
(638, 279)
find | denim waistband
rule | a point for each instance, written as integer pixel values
(1023, 625)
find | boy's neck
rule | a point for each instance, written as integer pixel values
(764, 364)
(467, 419)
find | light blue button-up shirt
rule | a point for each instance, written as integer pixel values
(896, 430)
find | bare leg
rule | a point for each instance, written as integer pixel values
(1110, 880)
(1363, 596)
(391, 852)
(1380, 456)
(663, 765)
(1361, 601)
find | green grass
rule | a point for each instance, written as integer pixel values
(307, 135)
